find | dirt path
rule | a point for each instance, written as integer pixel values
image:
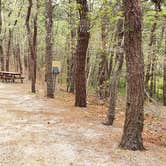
(37, 132)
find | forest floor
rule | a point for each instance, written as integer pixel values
(35, 131)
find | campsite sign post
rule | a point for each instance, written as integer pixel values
(56, 69)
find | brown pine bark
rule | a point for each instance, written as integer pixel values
(48, 57)
(133, 127)
(81, 50)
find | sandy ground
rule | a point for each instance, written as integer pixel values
(35, 131)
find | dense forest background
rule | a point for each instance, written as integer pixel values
(101, 57)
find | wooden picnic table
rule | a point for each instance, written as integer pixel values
(10, 76)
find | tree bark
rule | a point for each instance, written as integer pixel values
(149, 66)
(81, 50)
(48, 58)
(72, 48)
(116, 74)
(72, 61)
(133, 127)
(32, 38)
(103, 65)
(34, 56)
(152, 90)
(164, 76)
(150, 70)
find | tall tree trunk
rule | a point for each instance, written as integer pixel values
(72, 48)
(68, 61)
(151, 57)
(34, 56)
(110, 67)
(103, 65)
(32, 38)
(133, 127)
(1, 41)
(116, 74)
(72, 61)
(164, 76)
(149, 65)
(29, 65)
(81, 50)
(152, 90)
(48, 58)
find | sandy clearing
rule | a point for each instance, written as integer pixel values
(38, 132)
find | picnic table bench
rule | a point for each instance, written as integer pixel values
(11, 76)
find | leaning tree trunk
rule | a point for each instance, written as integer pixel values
(132, 133)
(81, 50)
(48, 58)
